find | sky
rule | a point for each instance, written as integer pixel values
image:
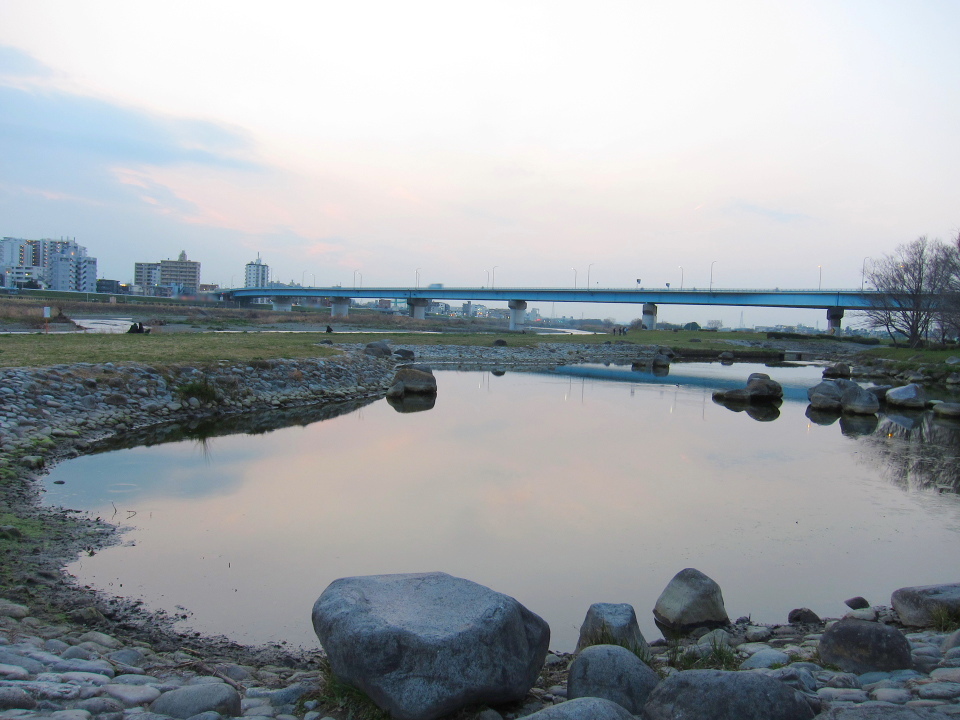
(544, 142)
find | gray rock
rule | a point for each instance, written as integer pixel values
(803, 615)
(859, 646)
(950, 641)
(908, 396)
(827, 389)
(192, 700)
(101, 667)
(917, 605)
(14, 698)
(378, 348)
(413, 380)
(857, 603)
(690, 600)
(426, 644)
(614, 673)
(947, 409)
(763, 389)
(611, 623)
(881, 712)
(837, 370)
(587, 708)
(765, 659)
(722, 695)
(758, 633)
(859, 401)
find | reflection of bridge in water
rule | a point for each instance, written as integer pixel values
(675, 375)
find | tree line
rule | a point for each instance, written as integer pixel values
(918, 292)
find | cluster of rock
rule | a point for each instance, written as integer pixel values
(58, 672)
(892, 371)
(838, 393)
(425, 645)
(40, 405)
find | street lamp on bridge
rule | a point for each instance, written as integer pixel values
(574, 278)
(820, 279)
(417, 271)
(863, 273)
(493, 277)
(355, 273)
(681, 276)
(588, 274)
(711, 274)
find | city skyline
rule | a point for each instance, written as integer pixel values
(754, 144)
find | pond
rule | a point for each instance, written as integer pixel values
(595, 485)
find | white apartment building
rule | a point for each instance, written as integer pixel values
(256, 274)
(57, 264)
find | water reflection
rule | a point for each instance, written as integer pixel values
(918, 452)
(412, 403)
(559, 490)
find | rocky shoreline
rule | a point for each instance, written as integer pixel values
(71, 653)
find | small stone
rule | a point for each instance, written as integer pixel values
(857, 603)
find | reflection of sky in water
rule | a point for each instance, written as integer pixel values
(559, 491)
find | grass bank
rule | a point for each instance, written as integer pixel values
(39, 350)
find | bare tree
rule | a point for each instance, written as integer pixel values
(914, 284)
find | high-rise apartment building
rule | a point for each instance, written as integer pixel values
(256, 274)
(57, 264)
(168, 277)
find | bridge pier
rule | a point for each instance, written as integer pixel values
(418, 308)
(518, 311)
(649, 317)
(834, 316)
(339, 307)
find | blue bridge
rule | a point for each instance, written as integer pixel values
(834, 302)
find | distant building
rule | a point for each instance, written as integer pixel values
(56, 264)
(256, 274)
(167, 277)
(112, 287)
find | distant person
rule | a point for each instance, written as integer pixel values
(329, 329)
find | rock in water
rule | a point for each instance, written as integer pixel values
(917, 606)
(908, 396)
(423, 645)
(614, 624)
(689, 601)
(724, 695)
(859, 401)
(613, 673)
(861, 646)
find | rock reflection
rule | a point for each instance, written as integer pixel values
(916, 451)
(821, 417)
(858, 425)
(202, 430)
(412, 403)
(761, 412)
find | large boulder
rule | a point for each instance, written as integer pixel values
(859, 401)
(423, 645)
(761, 388)
(837, 370)
(613, 673)
(907, 396)
(690, 600)
(586, 708)
(917, 606)
(378, 348)
(185, 702)
(611, 624)
(725, 695)
(861, 646)
(417, 380)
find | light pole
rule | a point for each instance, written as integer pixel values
(488, 277)
(863, 273)
(418, 277)
(681, 276)
(711, 274)
(588, 274)
(355, 273)
(231, 280)
(493, 277)
(301, 277)
(820, 279)
(574, 278)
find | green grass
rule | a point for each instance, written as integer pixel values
(342, 699)
(604, 636)
(172, 348)
(945, 619)
(912, 355)
(720, 657)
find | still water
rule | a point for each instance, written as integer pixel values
(560, 490)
